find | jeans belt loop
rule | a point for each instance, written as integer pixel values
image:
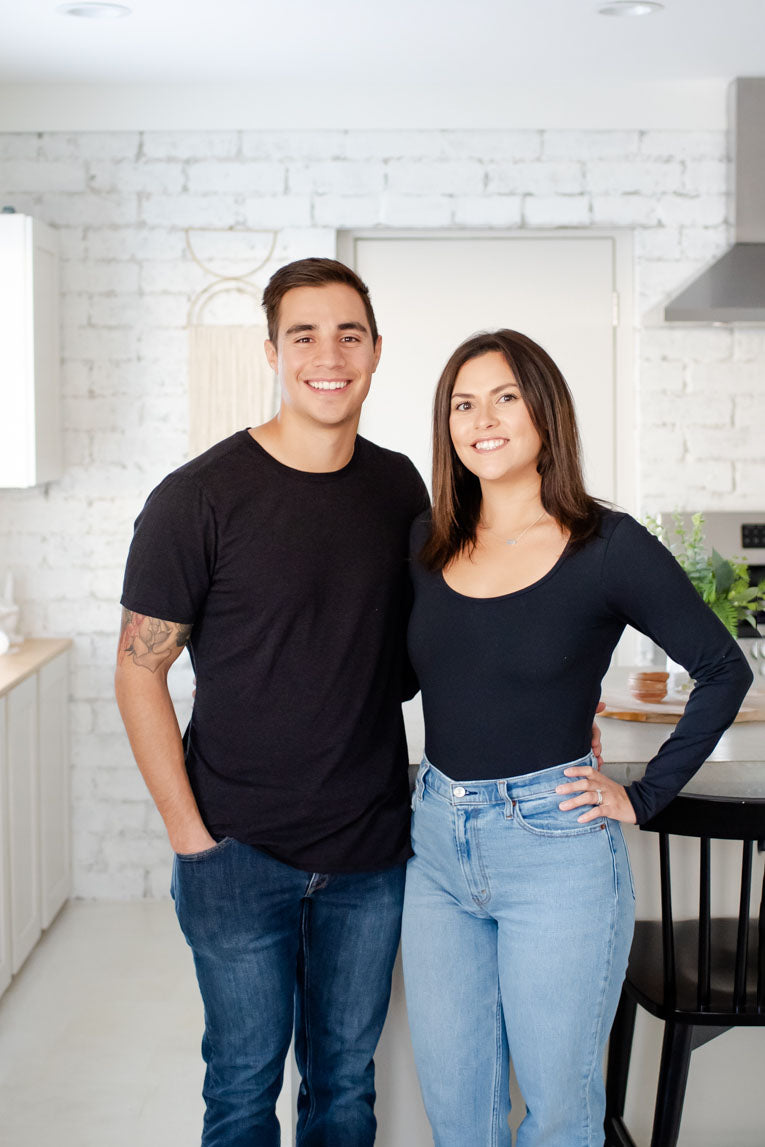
(509, 802)
(420, 785)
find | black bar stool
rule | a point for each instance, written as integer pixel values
(702, 976)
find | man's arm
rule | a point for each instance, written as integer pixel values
(148, 646)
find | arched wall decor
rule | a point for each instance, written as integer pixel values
(230, 383)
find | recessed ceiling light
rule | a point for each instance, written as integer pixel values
(630, 8)
(94, 10)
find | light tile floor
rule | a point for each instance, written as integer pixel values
(100, 1033)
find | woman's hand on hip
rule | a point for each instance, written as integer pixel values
(601, 795)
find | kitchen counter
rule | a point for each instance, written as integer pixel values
(629, 745)
(30, 656)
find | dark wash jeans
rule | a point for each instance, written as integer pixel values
(275, 946)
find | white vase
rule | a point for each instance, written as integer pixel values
(679, 682)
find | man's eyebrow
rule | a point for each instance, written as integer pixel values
(299, 328)
(496, 390)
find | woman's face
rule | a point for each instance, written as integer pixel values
(489, 422)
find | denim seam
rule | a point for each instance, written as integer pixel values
(607, 969)
(554, 832)
(495, 1105)
(307, 1024)
(465, 863)
(419, 784)
(437, 796)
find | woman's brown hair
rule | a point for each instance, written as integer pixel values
(457, 492)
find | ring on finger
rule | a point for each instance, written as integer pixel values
(600, 796)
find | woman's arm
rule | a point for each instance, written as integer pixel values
(646, 587)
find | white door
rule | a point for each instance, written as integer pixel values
(431, 292)
(5, 882)
(53, 730)
(24, 817)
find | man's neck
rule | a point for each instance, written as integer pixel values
(306, 446)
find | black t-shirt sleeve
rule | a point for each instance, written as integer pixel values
(646, 587)
(172, 555)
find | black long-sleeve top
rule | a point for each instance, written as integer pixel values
(510, 684)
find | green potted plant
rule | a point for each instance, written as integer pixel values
(723, 583)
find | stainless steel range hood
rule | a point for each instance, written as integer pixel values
(733, 289)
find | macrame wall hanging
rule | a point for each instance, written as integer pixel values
(230, 383)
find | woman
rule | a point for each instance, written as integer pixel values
(519, 905)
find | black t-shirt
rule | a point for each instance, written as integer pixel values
(296, 585)
(510, 684)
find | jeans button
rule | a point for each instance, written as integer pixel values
(459, 791)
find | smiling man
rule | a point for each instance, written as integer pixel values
(280, 558)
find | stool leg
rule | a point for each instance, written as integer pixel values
(673, 1076)
(619, 1053)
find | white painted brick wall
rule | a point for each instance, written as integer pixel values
(120, 202)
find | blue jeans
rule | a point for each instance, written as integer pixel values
(275, 946)
(517, 927)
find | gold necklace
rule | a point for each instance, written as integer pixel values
(514, 541)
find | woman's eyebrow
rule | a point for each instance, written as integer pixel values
(495, 390)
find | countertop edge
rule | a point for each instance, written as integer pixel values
(741, 778)
(30, 657)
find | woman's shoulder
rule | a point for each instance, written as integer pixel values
(419, 534)
(610, 519)
(615, 533)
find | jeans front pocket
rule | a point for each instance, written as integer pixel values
(189, 857)
(540, 814)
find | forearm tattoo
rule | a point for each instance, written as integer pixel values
(149, 641)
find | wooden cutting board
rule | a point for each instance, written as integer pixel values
(621, 705)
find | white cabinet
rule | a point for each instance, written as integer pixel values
(5, 885)
(24, 819)
(35, 851)
(53, 734)
(30, 412)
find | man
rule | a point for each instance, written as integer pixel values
(279, 557)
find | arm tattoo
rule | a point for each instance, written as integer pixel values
(149, 641)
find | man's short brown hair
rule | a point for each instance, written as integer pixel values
(312, 273)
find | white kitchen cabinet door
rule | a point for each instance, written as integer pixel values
(5, 890)
(24, 818)
(53, 753)
(30, 414)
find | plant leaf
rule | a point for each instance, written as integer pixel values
(725, 574)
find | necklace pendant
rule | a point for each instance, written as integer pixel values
(511, 541)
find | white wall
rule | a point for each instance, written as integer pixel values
(120, 203)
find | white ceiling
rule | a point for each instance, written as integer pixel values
(444, 54)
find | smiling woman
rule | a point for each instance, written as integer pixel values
(514, 826)
(492, 432)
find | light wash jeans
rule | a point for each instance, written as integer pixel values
(517, 927)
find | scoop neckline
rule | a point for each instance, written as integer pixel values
(515, 592)
(306, 475)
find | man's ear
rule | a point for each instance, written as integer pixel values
(378, 352)
(271, 354)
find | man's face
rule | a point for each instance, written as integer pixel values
(324, 355)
